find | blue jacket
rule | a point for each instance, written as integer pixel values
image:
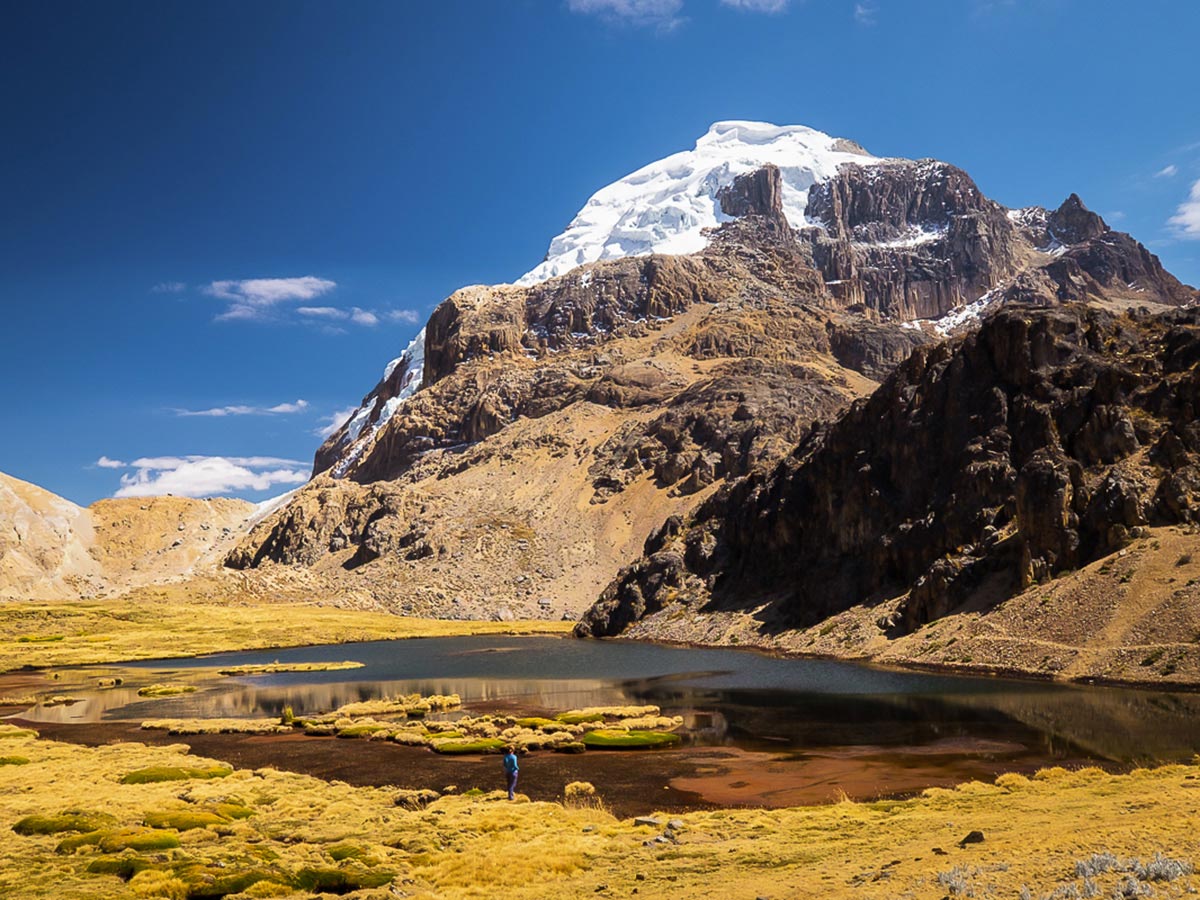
(510, 762)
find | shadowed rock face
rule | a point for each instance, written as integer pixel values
(1041, 442)
(909, 239)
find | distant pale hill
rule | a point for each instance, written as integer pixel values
(51, 549)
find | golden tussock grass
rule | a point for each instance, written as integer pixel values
(295, 830)
(89, 633)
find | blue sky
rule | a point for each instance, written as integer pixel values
(181, 179)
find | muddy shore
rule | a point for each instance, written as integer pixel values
(630, 783)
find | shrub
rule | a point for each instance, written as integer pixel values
(1162, 868)
(14, 760)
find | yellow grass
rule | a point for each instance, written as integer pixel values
(481, 846)
(123, 630)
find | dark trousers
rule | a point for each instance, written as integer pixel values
(512, 783)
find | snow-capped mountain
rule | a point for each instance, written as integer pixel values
(666, 206)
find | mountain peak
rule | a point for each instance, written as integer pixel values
(666, 206)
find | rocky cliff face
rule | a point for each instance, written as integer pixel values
(1046, 440)
(910, 240)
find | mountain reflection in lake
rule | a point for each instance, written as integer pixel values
(727, 697)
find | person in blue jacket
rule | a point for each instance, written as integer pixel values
(510, 769)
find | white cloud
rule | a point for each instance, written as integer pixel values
(763, 6)
(169, 287)
(411, 316)
(1115, 215)
(660, 13)
(208, 476)
(866, 13)
(1186, 221)
(105, 463)
(363, 317)
(334, 421)
(218, 411)
(321, 312)
(254, 298)
(1167, 171)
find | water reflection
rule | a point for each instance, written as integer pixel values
(727, 697)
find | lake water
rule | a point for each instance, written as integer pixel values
(728, 697)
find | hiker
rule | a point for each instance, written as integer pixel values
(510, 769)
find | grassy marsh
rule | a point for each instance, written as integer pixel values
(298, 834)
(70, 633)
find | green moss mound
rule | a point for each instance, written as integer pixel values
(11, 732)
(124, 867)
(231, 809)
(341, 881)
(570, 747)
(182, 820)
(75, 841)
(139, 839)
(205, 883)
(153, 774)
(14, 760)
(71, 820)
(166, 690)
(483, 745)
(346, 850)
(579, 718)
(602, 739)
(40, 639)
(355, 731)
(536, 722)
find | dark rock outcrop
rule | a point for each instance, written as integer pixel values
(909, 239)
(1037, 444)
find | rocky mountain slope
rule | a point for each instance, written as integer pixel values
(52, 549)
(533, 437)
(1042, 442)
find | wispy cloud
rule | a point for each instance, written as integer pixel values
(1115, 215)
(663, 14)
(356, 315)
(334, 421)
(1186, 221)
(1167, 171)
(256, 298)
(411, 316)
(866, 14)
(169, 287)
(105, 463)
(279, 409)
(207, 476)
(762, 6)
(321, 312)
